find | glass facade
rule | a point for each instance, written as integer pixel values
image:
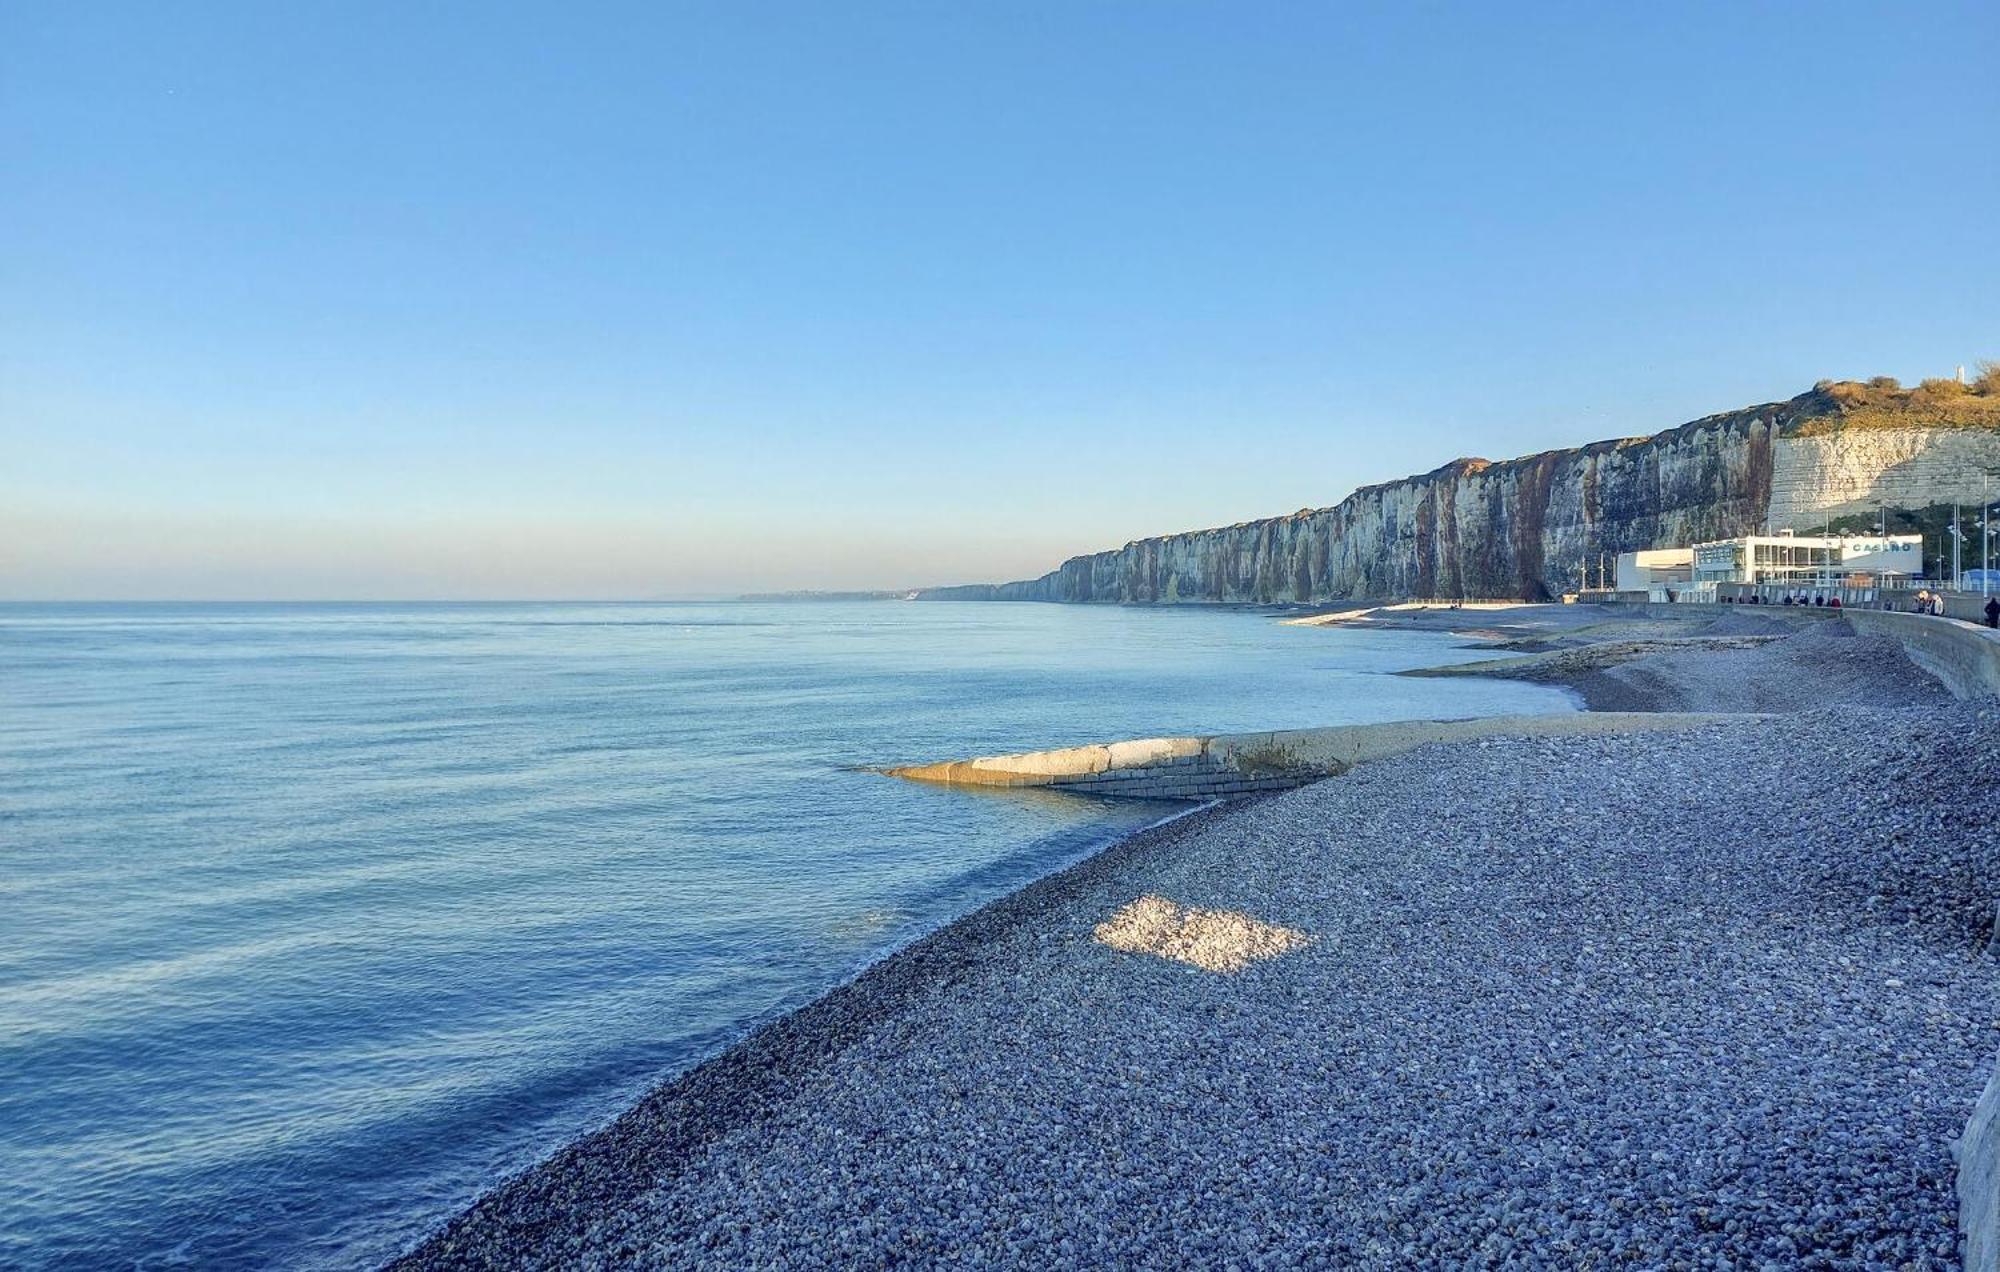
(1789, 559)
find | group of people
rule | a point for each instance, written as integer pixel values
(1926, 602)
(1790, 598)
(1929, 602)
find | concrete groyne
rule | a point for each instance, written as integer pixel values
(1229, 765)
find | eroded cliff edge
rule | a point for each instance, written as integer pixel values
(1522, 528)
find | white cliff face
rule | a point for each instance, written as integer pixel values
(1836, 474)
(1527, 528)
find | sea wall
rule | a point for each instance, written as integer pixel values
(1978, 1154)
(1525, 528)
(1225, 766)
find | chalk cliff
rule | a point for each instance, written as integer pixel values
(1523, 528)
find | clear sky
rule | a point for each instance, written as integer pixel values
(348, 300)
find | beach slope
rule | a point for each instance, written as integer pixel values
(1711, 995)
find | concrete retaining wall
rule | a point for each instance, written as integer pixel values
(1235, 764)
(1978, 1153)
(1970, 606)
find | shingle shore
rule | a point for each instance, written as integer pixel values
(1707, 999)
(1825, 661)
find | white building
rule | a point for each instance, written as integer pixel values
(1655, 569)
(1807, 559)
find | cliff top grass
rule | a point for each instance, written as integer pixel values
(1882, 403)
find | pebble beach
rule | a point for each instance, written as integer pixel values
(1711, 998)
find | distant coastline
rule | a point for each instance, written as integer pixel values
(807, 595)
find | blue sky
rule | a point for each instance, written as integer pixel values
(486, 300)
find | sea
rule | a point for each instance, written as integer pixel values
(317, 920)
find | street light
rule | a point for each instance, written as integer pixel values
(1882, 571)
(1985, 532)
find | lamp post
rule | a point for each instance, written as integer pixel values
(1882, 571)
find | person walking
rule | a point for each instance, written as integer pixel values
(1993, 612)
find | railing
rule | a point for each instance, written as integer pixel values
(1816, 597)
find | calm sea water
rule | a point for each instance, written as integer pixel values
(319, 919)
